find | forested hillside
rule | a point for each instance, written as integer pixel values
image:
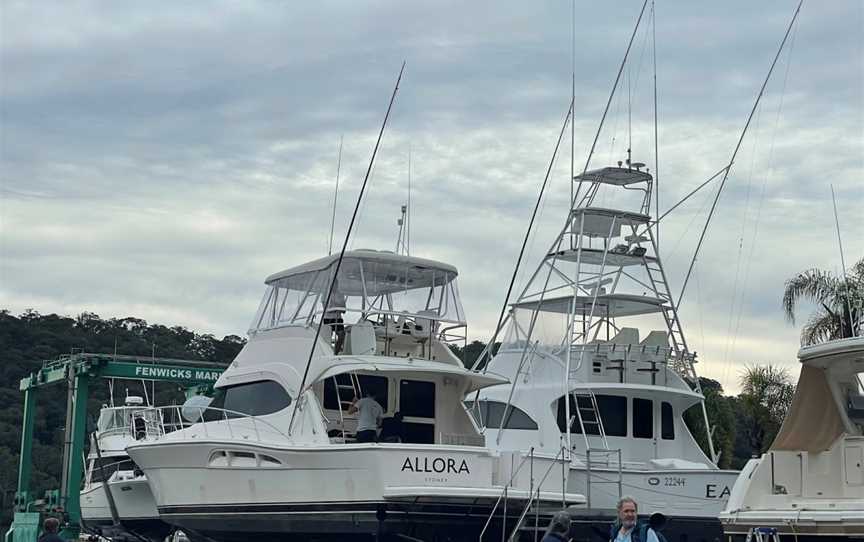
(30, 338)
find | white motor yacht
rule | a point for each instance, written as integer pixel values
(809, 485)
(600, 367)
(107, 460)
(276, 454)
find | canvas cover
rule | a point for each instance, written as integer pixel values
(813, 423)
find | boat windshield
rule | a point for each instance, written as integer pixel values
(119, 419)
(371, 286)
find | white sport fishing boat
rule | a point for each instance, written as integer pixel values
(135, 509)
(594, 344)
(809, 486)
(277, 454)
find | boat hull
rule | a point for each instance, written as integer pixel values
(673, 493)
(314, 492)
(136, 510)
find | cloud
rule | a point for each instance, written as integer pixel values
(162, 162)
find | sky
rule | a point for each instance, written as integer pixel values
(160, 161)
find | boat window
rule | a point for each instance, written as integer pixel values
(105, 467)
(419, 433)
(252, 398)
(613, 414)
(417, 398)
(489, 413)
(343, 387)
(643, 418)
(667, 421)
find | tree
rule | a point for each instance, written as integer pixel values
(722, 418)
(840, 301)
(766, 393)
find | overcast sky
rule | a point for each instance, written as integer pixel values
(161, 162)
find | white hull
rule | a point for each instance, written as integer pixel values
(136, 508)
(674, 493)
(344, 488)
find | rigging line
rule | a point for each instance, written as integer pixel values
(767, 178)
(335, 195)
(656, 138)
(737, 147)
(731, 338)
(608, 102)
(732, 335)
(685, 198)
(696, 215)
(300, 389)
(491, 344)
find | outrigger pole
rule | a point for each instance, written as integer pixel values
(344, 247)
(728, 168)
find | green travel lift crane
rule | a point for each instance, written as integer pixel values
(77, 371)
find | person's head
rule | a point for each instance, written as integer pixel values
(627, 511)
(51, 525)
(559, 524)
(398, 416)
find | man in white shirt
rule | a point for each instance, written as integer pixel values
(369, 417)
(627, 528)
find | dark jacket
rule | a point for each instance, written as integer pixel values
(50, 537)
(554, 537)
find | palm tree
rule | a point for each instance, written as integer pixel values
(841, 303)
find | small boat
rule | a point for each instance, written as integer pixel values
(809, 486)
(279, 452)
(109, 464)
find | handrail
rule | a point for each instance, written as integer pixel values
(504, 490)
(537, 492)
(226, 415)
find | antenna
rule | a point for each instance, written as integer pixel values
(843, 264)
(335, 195)
(408, 213)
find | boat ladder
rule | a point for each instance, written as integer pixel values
(763, 534)
(682, 359)
(588, 414)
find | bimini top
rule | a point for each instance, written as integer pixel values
(382, 272)
(387, 288)
(619, 176)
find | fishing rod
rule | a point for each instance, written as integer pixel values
(344, 247)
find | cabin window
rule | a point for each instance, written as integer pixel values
(613, 414)
(667, 421)
(104, 468)
(376, 385)
(643, 418)
(419, 433)
(489, 414)
(252, 398)
(417, 398)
